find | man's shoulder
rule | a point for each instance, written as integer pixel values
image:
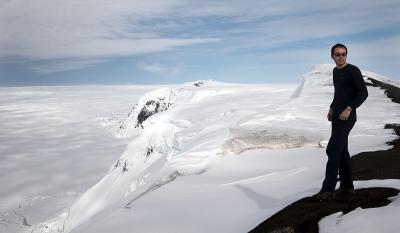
(352, 67)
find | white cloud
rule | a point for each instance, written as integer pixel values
(380, 50)
(93, 31)
(385, 49)
(270, 24)
(64, 65)
(159, 68)
(104, 48)
(90, 31)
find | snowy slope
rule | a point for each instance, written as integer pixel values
(180, 141)
(53, 148)
(200, 125)
(217, 157)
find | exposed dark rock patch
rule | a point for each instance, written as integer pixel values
(303, 216)
(391, 91)
(125, 168)
(149, 150)
(150, 108)
(124, 165)
(198, 83)
(383, 164)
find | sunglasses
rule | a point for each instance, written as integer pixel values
(340, 54)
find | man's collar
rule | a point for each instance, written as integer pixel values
(345, 64)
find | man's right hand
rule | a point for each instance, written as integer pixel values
(329, 115)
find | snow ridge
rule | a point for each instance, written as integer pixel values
(162, 147)
(179, 130)
(381, 78)
(153, 102)
(155, 156)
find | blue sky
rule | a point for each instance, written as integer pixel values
(50, 42)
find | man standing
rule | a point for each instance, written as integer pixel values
(350, 93)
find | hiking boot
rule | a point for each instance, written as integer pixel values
(345, 191)
(323, 196)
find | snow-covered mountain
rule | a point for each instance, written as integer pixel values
(208, 156)
(154, 102)
(184, 128)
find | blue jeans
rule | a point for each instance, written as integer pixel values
(338, 156)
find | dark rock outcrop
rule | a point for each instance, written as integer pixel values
(198, 83)
(150, 108)
(303, 215)
(391, 91)
(383, 164)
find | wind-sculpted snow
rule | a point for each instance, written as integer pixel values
(155, 102)
(380, 78)
(271, 138)
(180, 129)
(159, 149)
(319, 76)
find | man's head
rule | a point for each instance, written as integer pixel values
(339, 54)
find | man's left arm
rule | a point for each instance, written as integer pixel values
(361, 89)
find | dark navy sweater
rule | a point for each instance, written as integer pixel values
(350, 90)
